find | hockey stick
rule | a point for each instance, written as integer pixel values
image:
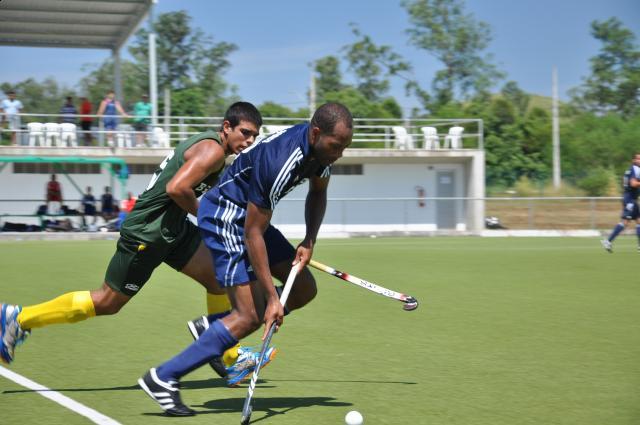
(246, 409)
(410, 303)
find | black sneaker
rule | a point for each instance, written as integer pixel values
(197, 328)
(166, 394)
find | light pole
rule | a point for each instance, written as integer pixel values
(555, 129)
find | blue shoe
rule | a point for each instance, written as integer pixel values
(246, 363)
(11, 334)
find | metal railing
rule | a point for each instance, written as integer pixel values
(368, 132)
(531, 213)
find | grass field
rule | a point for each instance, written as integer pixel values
(509, 332)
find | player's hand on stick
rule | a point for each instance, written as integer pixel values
(273, 313)
(304, 252)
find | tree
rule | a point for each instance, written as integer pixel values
(44, 97)
(442, 28)
(518, 98)
(614, 83)
(100, 80)
(372, 65)
(272, 109)
(190, 64)
(329, 77)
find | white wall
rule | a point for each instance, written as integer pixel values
(377, 181)
(33, 186)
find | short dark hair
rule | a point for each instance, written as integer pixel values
(243, 111)
(328, 115)
(11, 92)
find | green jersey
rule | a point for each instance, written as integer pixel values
(155, 216)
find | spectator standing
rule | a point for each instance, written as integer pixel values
(85, 120)
(109, 109)
(126, 205)
(54, 195)
(11, 107)
(142, 111)
(88, 207)
(106, 201)
(68, 111)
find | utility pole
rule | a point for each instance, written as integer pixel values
(312, 91)
(555, 129)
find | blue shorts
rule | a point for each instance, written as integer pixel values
(110, 123)
(221, 224)
(630, 209)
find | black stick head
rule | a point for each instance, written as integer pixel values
(410, 304)
(246, 416)
(245, 420)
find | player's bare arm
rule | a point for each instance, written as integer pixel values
(315, 207)
(633, 182)
(201, 159)
(256, 224)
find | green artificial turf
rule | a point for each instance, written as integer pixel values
(509, 331)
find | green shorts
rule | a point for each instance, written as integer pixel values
(134, 261)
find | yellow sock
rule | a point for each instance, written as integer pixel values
(68, 308)
(217, 304)
(231, 355)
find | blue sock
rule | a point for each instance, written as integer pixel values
(213, 317)
(212, 343)
(616, 231)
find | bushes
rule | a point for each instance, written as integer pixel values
(598, 182)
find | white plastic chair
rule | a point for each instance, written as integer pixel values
(159, 138)
(431, 139)
(123, 136)
(403, 139)
(454, 138)
(52, 133)
(271, 128)
(68, 134)
(36, 131)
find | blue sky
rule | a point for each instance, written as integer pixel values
(278, 40)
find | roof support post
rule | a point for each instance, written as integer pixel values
(153, 72)
(117, 75)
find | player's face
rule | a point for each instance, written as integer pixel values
(328, 148)
(636, 160)
(241, 136)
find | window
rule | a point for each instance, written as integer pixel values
(45, 168)
(139, 168)
(347, 169)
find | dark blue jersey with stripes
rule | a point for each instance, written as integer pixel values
(269, 169)
(630, 193)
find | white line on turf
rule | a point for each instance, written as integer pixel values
(81, 409)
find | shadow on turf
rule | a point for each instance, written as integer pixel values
(267, 405)
(206, 383)
(352, 381)
(203, 383)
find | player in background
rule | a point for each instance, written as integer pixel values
(235, 217)
(630, 211)
(156, 230)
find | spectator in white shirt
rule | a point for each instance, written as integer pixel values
(11, 107)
